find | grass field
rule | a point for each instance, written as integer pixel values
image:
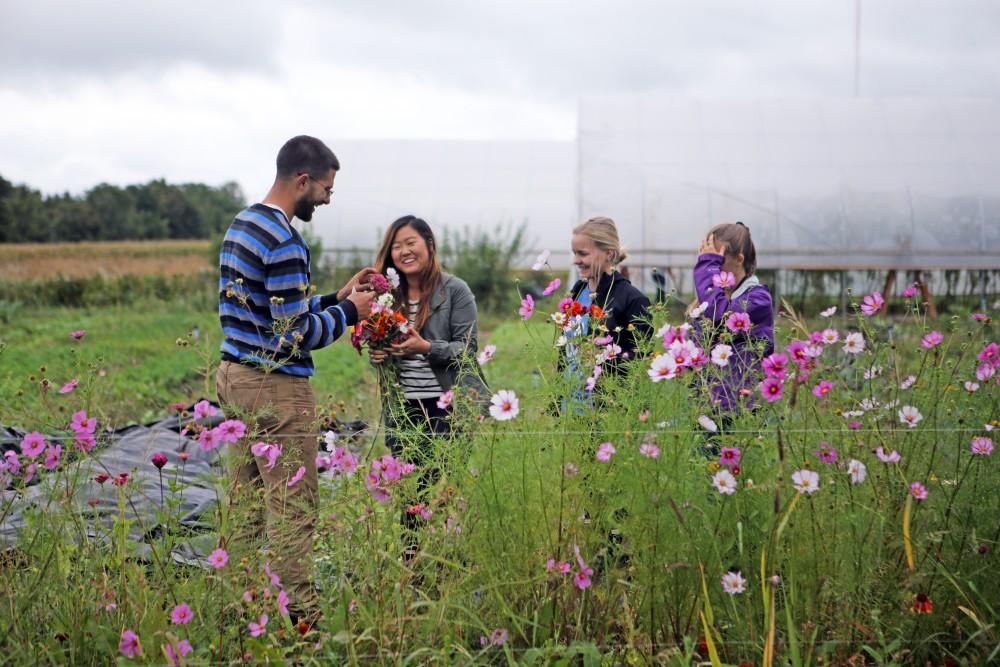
(41, 261)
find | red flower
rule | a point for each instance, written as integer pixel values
(922, 604)
(101, 478)
(159, 459)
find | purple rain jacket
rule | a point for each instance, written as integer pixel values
(744, 368)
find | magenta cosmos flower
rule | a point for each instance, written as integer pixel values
(33, 444)
(78, 334)
(69, 386)
(218, 558)
(981, 446)
(775, 365)
(605, 451)
(918, 491)
(932, 339)
(181, 614)
(730, 456)
(527, 308)
(129, 644)
(822, 389)
(551, 287)
(826, 453)
(872, 304)
(771, 389)
(739, 322)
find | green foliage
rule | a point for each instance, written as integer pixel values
(155, 210)
(484, 259)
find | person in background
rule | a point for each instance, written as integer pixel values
(728, 248)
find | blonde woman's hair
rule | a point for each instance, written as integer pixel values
(604, 234)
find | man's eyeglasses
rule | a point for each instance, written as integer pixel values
(327, 189)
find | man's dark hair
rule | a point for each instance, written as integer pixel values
(305, 155)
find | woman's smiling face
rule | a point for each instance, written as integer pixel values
(409, 252)
(588, 259)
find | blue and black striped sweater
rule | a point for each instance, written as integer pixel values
(268, 315)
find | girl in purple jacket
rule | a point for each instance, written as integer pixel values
(725, 283)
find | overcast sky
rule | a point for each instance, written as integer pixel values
(101, 91)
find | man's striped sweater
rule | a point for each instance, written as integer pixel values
(268, 316)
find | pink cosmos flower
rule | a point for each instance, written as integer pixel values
(981, 446)
(551, 287)
(738, 322)
(218, 558)
(85, 442)
(527, 308)
(730, 456)
(231, 430)
(891, 457)
(29, 472)
(771, 389)
(69, 386)
(582, 578)
(203, 409)
(775, 365)
(984, 372)
(299, 474)
(129, 644)
(81, 424)
(78, 334)
(181, 614)
(343, 461)
(872, 304)
(724, 482)
(499, 637)
(806, 481)
(825, 453)
(990, 353)
(910, 416)
(723, 279)
(270, 451)
(649, 450)
(918, 491)
(829, 336)
(605, 451)
(183, 648)
(733, 583)
(504, 405)
(829, 312)
(52, 455)
(909, 291)
(209, 439)
(445, 399)
(33, 444)
(822, 389)
(272, 577)
(854, 343)
(854, 425)
(257, 629)
(283, 603)
(797, 351)
(486, 354)
(932, 339)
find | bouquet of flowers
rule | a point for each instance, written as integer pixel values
(385, 325)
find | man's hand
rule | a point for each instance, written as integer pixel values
(356, 282)
(710, 245)
(363, 302)
(412, 345)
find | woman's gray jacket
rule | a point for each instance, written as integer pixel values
(452, 328)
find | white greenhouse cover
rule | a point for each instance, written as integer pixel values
(822, 183)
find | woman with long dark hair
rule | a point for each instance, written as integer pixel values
(431, 363)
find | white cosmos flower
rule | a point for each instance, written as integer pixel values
(854, 343)
(971, 386)
(707, 423)
(857, 470)
(852, 413)
(330, 438)
(721, 354)
(393, 277)
(909, 415)
(699, 311)
(829, 312)
(872, 372)
(724, 482)
(830, 336)
(504, 405)
(561, 341)
(663, 368)
(907, 382)
(486, 354)
(733, 583)
(541, 260)
(806, 481)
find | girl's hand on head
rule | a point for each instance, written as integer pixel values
(710, 245)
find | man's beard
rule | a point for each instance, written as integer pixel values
(304, 209)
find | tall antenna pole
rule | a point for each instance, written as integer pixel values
(857, 48)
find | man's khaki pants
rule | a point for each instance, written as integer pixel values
(277, 408)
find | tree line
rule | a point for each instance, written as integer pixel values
(154, 210)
